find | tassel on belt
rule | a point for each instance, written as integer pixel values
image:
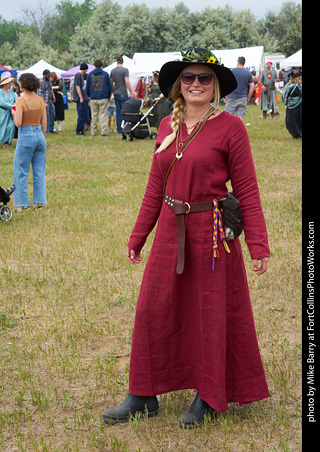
(182, 208)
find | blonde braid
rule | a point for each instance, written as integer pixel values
(177, 117)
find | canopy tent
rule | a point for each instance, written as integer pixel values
(38, 68)
(127, 62)
(144, 64)
(149, 62)
(294, 60)
(4, 69)
(72, 72)
(254, 57)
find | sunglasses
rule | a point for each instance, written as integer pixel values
(188, 78)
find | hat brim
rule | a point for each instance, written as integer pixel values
(170, 72)
(7, 81)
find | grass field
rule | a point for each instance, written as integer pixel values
(68, 296)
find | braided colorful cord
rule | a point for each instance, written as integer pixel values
(217, 229)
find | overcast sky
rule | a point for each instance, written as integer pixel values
(12, 11)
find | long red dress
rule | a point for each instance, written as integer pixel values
(196, 330)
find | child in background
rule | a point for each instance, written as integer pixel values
(112, 113)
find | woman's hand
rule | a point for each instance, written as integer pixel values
(133, 257)
(262, 268)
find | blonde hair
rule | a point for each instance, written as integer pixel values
(296, 79)
(179, 108)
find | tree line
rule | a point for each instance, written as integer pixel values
(75, 32)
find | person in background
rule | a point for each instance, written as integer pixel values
(237, 101)
(46, 93)
(194, 326)
(7, 101)
(87, 123)
(57, 86)
(30, 118)
(162, 107)
(81, 98)
(71, 88)
(120, 85)
(99, 91)
(112, 115)
(292, 98)
(268, 99)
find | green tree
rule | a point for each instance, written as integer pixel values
(60, 27)
(244, 29)
(9, 30)
(100, 36)
(78, 30)
(27, 51)
(286, 27)
(136, 29)
(178, 31)
(213, 30)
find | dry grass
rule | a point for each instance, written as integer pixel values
(67, 304)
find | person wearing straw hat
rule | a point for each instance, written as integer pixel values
(7, 101)
(194, 327)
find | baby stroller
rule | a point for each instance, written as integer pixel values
(134, 123)
(5, 210)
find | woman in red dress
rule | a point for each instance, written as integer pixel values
(194, 327)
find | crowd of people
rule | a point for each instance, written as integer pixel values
(100, 96)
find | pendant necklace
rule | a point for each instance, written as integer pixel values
(179, 143)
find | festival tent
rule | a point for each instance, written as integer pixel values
(38, 68)
(143, 64)
(294, 60)
(149, 62)
(127, 62)
(254, 57)
(4, 69)
(72, 72)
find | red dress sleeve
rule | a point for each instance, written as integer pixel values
(245, 188)
(150, 208)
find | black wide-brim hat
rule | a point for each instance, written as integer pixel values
(170, 71)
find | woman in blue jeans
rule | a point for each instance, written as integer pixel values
(30, 118)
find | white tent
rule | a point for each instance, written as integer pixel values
(254, 57)
(153, 61)
(38, 68)
(143, 64)
(127, 62)
(294, 60)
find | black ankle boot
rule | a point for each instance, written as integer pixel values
(195, 414)
(133, 404)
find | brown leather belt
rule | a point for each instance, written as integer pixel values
(180, 209)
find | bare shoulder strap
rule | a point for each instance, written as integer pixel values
(25, 102)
